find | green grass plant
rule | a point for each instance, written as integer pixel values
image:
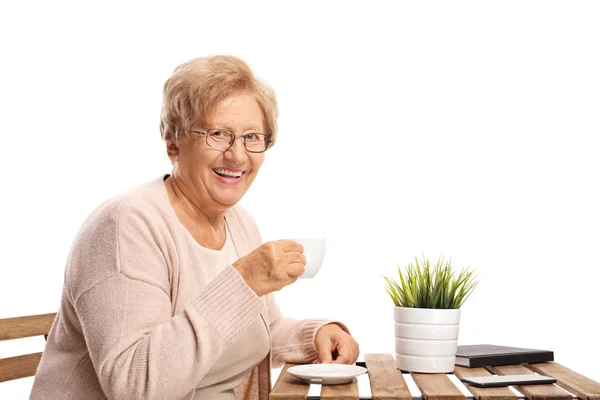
(423, 285)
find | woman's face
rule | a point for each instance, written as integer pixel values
(201, 167)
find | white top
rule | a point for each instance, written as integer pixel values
(245, 350)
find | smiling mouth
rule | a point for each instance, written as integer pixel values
(228, 174)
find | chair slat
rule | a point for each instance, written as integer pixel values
(437, 387)
(19, 366)
(386, 380)
(585, 388)
(22, 327)
(289, 387)
(496, 393)
(533, 392)
(340, 392)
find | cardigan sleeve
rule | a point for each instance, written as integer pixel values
(291, 340)
(139, 349)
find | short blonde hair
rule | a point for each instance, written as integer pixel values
(196, 87)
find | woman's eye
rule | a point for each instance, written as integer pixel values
(251, 136)
(217, 133)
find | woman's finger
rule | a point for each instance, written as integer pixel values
(294, 257)
(346, 354)
(291, 246)
(295, 269)
(324, 350)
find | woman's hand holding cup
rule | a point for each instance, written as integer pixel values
(272, 266)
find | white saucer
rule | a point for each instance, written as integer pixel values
(327, 374)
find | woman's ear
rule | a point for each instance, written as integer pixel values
(172, 151)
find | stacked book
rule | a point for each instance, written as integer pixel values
(488, 355)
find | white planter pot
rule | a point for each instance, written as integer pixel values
(426, 339)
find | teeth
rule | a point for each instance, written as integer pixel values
(232, 174)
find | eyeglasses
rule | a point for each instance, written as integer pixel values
(223, 139)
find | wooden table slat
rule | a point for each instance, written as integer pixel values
(496, 393)
(437, 387)
(341, 392)
(289, 387)
(533, 392)
(581, 386)
(387, 382)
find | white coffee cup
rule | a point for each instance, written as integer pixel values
(314, 251)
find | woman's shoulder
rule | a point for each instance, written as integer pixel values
(131, 220)
(146, 201)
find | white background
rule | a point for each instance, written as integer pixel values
(458, 128)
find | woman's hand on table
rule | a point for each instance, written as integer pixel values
(331, 339)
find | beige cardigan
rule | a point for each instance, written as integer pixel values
(138, 320)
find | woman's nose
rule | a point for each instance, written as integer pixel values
(237, 151)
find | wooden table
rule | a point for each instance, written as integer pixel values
(385, 382)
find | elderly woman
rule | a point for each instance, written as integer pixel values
(168, 290)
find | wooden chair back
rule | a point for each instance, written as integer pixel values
(18, 328)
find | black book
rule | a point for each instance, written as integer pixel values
(484, 355)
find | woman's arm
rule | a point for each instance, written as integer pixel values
(138, 348)
(293, 340)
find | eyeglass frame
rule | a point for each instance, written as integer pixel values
(268, 141)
